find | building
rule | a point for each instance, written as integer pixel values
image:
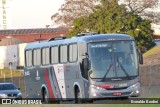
(32, 35)
(13, 42)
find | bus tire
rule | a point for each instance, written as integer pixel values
(45, 97)
(90, 101)
(125, 98)
(78, 98)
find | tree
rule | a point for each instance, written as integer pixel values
(71, 10)
(114, 18)
(144, 8)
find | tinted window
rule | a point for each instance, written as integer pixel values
(29, 58)
(36, 57)
(117, 59)
(45, 56)
(54, 54)
(73, 52)
(63, 53)
(7, 87)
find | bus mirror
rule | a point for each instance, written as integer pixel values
(140, 56)
(86, 64)
(85, 54)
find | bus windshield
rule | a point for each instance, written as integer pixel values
(111, 60)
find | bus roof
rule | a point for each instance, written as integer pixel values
(75, 39)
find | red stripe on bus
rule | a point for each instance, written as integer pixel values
(108, 86)
(57, 81)
(49, 84)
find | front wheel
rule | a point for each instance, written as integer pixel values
(78, 98)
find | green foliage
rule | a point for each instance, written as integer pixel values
(7, 73)
(152, 53)
(110, 17)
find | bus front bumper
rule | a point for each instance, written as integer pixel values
(132, 91)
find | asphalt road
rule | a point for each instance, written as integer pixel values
(147, 92)
(107, 101)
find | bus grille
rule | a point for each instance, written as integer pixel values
(121, 88)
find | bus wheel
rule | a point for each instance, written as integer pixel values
(124, 98)
(45, 97)
(78, 98)
(90, 101)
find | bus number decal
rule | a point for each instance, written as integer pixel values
(27, 73)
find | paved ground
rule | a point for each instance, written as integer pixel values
(150, 92)
(147, 92)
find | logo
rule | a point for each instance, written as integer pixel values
(37, 76)
(6, 101)
(26, 73)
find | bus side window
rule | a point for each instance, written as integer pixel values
(73, 53)
(37, 57)
(28, 56)
(63, 54)
(54, 54)
(45, 56)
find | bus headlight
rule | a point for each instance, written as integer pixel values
(96, 87)
(135, 85)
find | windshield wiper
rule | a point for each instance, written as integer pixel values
(124, 70)
(106, 72)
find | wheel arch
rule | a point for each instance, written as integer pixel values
(43, 89)
(75, 87)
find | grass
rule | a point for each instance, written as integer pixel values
(152, 52)
(7, 73)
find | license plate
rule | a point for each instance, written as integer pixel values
(117, 93)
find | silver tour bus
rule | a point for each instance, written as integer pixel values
(87, 67)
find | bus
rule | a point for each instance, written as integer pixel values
(90, 66)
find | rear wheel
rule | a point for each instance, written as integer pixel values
(90, 101)
(45, 97)
(47, 100)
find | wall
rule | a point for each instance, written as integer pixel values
(11, 55)
(150, 75)
(2, 55)
(14, 54)
(21, 48)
